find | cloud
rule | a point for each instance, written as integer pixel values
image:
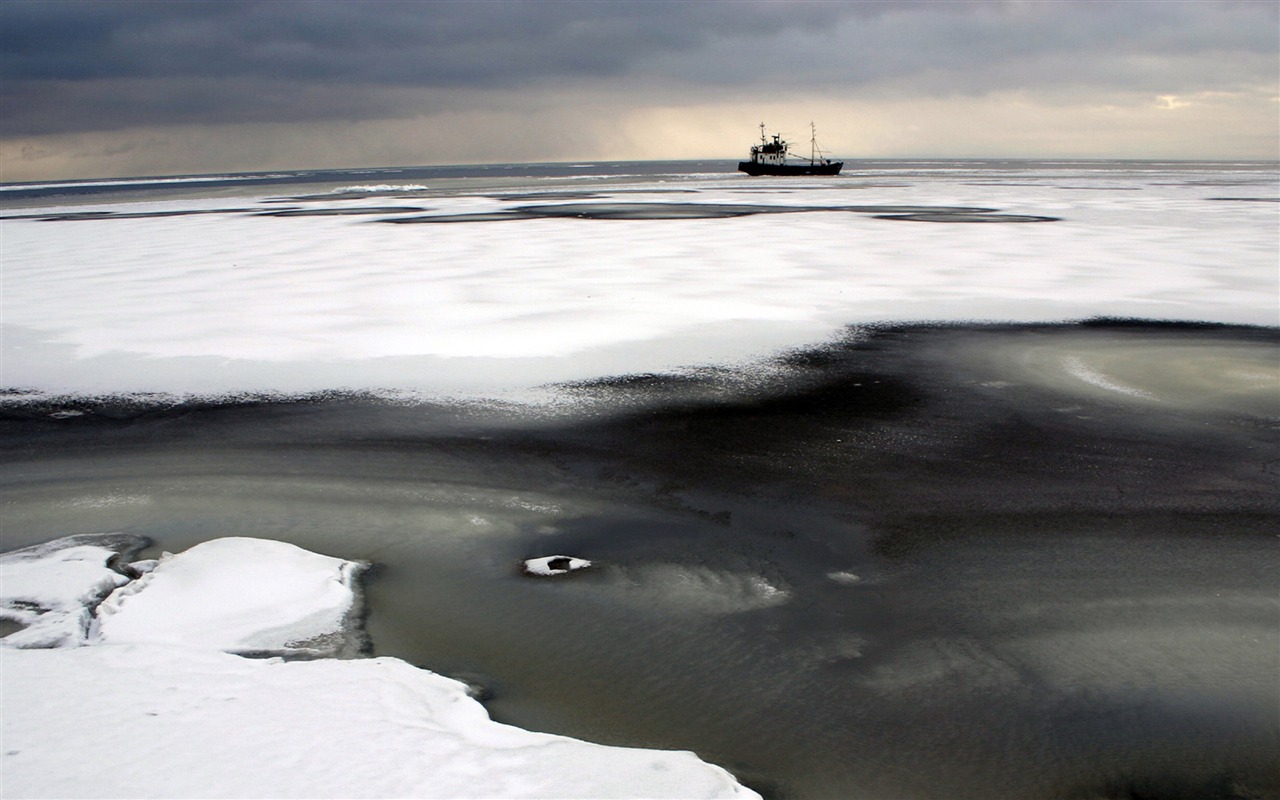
(121, 66)
(1035, 46)
(96, 65)
(416, 43)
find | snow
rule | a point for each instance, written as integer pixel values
(155, 707)
(239, 302)
(554, 565)
(229, 594)
(51, 588)
(178, 722)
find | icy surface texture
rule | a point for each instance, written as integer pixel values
(180, 296)
(175, 722)
(239, 595)
(52, 588)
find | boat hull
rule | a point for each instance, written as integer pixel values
(753, 168)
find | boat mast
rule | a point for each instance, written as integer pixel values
(813, 143)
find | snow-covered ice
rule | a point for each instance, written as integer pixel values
(547, 566)
(238, 595)
(51, 589)
(155, 707)
(239, 301)
(180, 722)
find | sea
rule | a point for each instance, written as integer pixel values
(934, 479)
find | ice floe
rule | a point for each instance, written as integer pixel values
(155, 706)
(548, 566)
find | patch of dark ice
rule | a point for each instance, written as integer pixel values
(962, 217)
(340, 212)
(675, 211)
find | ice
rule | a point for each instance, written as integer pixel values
(238, 595)
(237, 302)
(844, 577)
(179, 722)
(547, 566)
(375, 188)
(150, 697)
(1077, 367)
(51, 588)
(154, 707)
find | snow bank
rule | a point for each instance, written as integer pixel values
(157, 721)
(153, 708)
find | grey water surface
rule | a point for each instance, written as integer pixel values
(920, 562)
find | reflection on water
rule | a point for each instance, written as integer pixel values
(1207, 374)
(987, 562)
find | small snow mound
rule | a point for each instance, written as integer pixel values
(548, 566)
(239, 595)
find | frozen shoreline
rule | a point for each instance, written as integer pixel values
(176, 714)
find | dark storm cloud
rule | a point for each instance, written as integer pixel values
(79, 66)
(976, 47)
(420, 43)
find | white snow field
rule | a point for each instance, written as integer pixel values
(147, 703)
(241, 302)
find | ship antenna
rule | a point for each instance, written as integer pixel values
(762, 139)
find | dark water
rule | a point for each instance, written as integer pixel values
(1001, 561)
(522, 175)
(1003, 172)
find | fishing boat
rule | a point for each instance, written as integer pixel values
(770, 158)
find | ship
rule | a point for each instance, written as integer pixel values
(770, 158)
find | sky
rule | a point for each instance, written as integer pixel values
(121, 88)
